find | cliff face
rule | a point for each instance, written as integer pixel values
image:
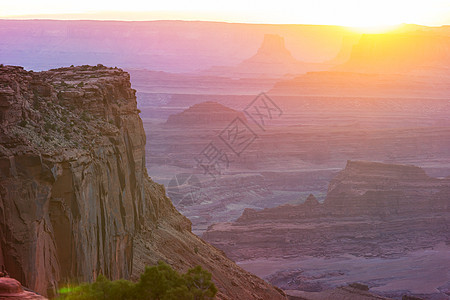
(76, 200)
(72, 183)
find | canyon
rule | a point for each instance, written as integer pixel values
(76, 200)
(339, 190)
(380, 225)
(392, 127)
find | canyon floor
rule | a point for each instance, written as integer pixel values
(421, 272)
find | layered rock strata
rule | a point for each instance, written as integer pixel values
(75, 197)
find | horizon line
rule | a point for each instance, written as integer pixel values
(54, 17)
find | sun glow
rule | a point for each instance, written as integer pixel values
(374, 28)
(367, 15)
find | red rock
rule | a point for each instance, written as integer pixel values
(76, 200)
(12, 289)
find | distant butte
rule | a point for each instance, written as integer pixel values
(205, 114)
(372, 210)
(272, 59)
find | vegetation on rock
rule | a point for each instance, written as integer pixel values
(157, 282)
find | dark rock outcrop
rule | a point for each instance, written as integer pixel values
(75, 197)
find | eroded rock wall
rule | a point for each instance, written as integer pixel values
(75, 197)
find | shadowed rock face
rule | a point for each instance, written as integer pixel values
(75, 197)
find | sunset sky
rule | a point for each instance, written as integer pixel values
(356, 13)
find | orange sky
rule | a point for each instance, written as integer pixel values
(357, 13)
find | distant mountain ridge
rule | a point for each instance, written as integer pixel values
(170, 46)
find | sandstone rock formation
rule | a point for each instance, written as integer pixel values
(372, 211)
(75, 197)
(272, 59)
(205, 114)
(363, 192)
(369, 188)
(11, 289)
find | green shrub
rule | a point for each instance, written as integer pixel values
(23, 123)
(157, 282)
(102, 288)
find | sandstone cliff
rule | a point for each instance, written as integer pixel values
(75, 197)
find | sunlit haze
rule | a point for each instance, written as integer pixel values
(368, 15)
